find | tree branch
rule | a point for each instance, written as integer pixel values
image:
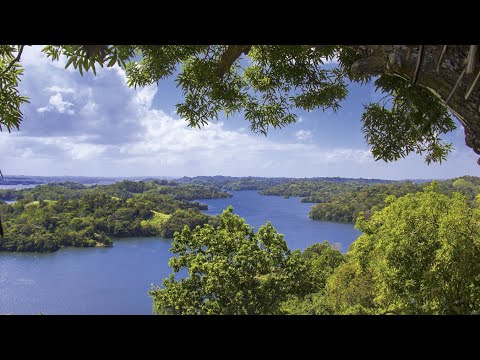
(230, 55)
(459, 80)
(421, 51)
(92, 50)
(450, 63)
(17, 59)
(440, 59)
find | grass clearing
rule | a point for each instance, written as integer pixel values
(157, 220)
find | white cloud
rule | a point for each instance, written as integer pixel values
(58, 89)
(303, 135)
(118, 131)
(144, 96)
(57, 104)
(299, 120)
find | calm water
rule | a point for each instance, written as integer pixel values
(288, 216)
(116, 280)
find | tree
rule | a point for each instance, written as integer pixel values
(321, 261)
(421, 83)
(419, 255)
(231, 270)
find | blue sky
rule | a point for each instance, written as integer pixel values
(97, 126)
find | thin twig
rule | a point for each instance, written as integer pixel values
(440, 59)
(17, 59)
(419, 64)
(469, 92)
(456, 84)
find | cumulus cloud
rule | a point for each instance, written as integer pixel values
(303, 135)
(58, 104)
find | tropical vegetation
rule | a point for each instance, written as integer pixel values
(52, 216)
(417, 255)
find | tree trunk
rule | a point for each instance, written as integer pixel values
(394, 60)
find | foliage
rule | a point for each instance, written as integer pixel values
(119, 189)
(267, 89)
(321, 261)
(419, 255)
(90, 216)
(412, 123)
(270, 186)
(10, 98)
(231, 270)
(344, 201)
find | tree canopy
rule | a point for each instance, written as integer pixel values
(266, 83)
(231, 270)
(51, 216)
(418, 255)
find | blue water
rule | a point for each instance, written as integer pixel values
(84, 280)
(116, 280)
(288, 217)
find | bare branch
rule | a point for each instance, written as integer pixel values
(421, 52)
(230, 55)
(471, 57)
(469, 92)
(459, 80)
(17, 59)
(440, 59)
(92, 50)
(409, 53)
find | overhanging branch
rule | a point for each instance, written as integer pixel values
(443, 72)
(17, 59)
(231, 54)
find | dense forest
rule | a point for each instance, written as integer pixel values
(344, 201)
(124, 188)
(48, 217)
(417, 255)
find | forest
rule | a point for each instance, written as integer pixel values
(417, 255)
(262, 183)
(48, 217)
(344, 201)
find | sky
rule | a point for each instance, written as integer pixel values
(98, 126)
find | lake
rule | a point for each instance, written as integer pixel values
(116, 280)
(288, 217)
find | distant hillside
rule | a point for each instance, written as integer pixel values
(344, 203)
(86, 180)
(38, 180)
(261, 183)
